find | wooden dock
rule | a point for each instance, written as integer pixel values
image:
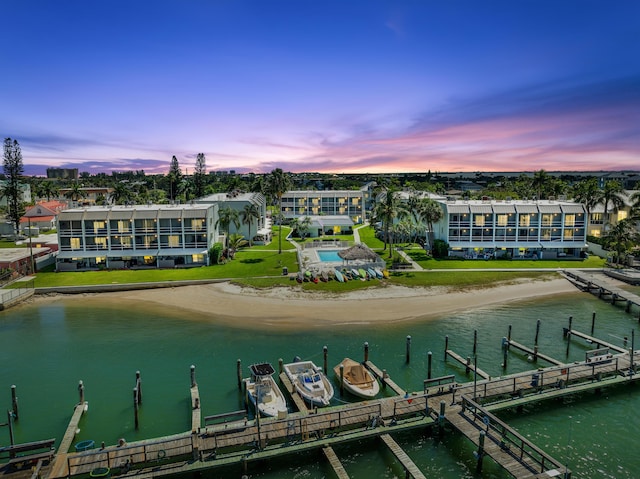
(400, 455)
(595, 341)
(604, 290)
(297, 399)
(59, 465)
(337, 466)
(533, 352)
(384, 378)
(468, 407)
(470, 367)
(196, 410)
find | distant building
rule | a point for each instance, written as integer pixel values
(41, 217)
(350, 203)
(62, 173)
(93, 195)
(25, 193)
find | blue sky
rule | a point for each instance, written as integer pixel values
(330, 86)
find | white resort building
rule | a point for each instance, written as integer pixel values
(350, 203)
(513, 228)
(140, 236)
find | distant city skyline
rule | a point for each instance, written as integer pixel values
(362, 86)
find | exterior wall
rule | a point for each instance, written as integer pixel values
(136, 237)
(238, 201)
(351, 203)
(519, 229)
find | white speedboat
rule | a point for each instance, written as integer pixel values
(357, 379)
(264, 393)
(310, 382)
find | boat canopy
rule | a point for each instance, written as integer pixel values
(262, 369)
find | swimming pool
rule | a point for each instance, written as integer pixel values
(329, 256)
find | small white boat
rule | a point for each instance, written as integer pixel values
(264, 393)
(310, 382)
(357, 379)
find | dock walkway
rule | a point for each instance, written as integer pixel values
(603, 289)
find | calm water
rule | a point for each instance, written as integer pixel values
(46, 349)
(330, 256)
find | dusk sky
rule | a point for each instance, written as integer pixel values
(322, 85)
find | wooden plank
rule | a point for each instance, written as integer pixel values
(337, 466)
(597, 341)
(196, 409)
(463, 361)
(401, 456)
(530, 351)
(72, 428)
(384, 378)
(297, 399)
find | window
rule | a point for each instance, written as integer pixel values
(98, 225)
(75, 243)
(101, 242)
(547, 219)
(568, 234)
(525, 220)
(596, 218)
(197, 224)
(478, 220)
(622, 215)
(503, 220)
(174, 241)
(570, 220)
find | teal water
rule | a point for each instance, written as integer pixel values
(329, 256)
(46, 348)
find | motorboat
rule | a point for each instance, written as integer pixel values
(310, 382)
(357, 379)
(264, 393)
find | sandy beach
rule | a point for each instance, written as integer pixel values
(290, 306)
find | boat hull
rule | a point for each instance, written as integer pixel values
(265, 395)
(309, 382)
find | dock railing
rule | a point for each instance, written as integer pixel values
(510, 440)
(126, 457)
(558, 377)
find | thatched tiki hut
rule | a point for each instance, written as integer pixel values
(359, 252)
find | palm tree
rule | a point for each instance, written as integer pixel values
(612, 194)
(121, 193)
(75, 192)
(589, 194)
(226, 217)
(385, 212)
(539, 182)
(186, 188)
(250, 213)
(48, 189)
(236, 241)
(278, 183)
(430, 212)
(622, 238)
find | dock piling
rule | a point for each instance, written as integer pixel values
(81, 391)
(429, 358)
(509, 336)
(14, 402)
(324, 353)
(467, 368)
(505, 350)
(475, 341)
(446, 346)
(366, 352)
(537, 333)
(139, 386)
(341, 379)
(135, 407)
(593, 322)
(408, 355)
(480, 453)
(238, 373)
(280, 366)
(12, 439)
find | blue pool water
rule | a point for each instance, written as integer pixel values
(329, 256)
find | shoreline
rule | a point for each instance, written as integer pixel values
(288, 307)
